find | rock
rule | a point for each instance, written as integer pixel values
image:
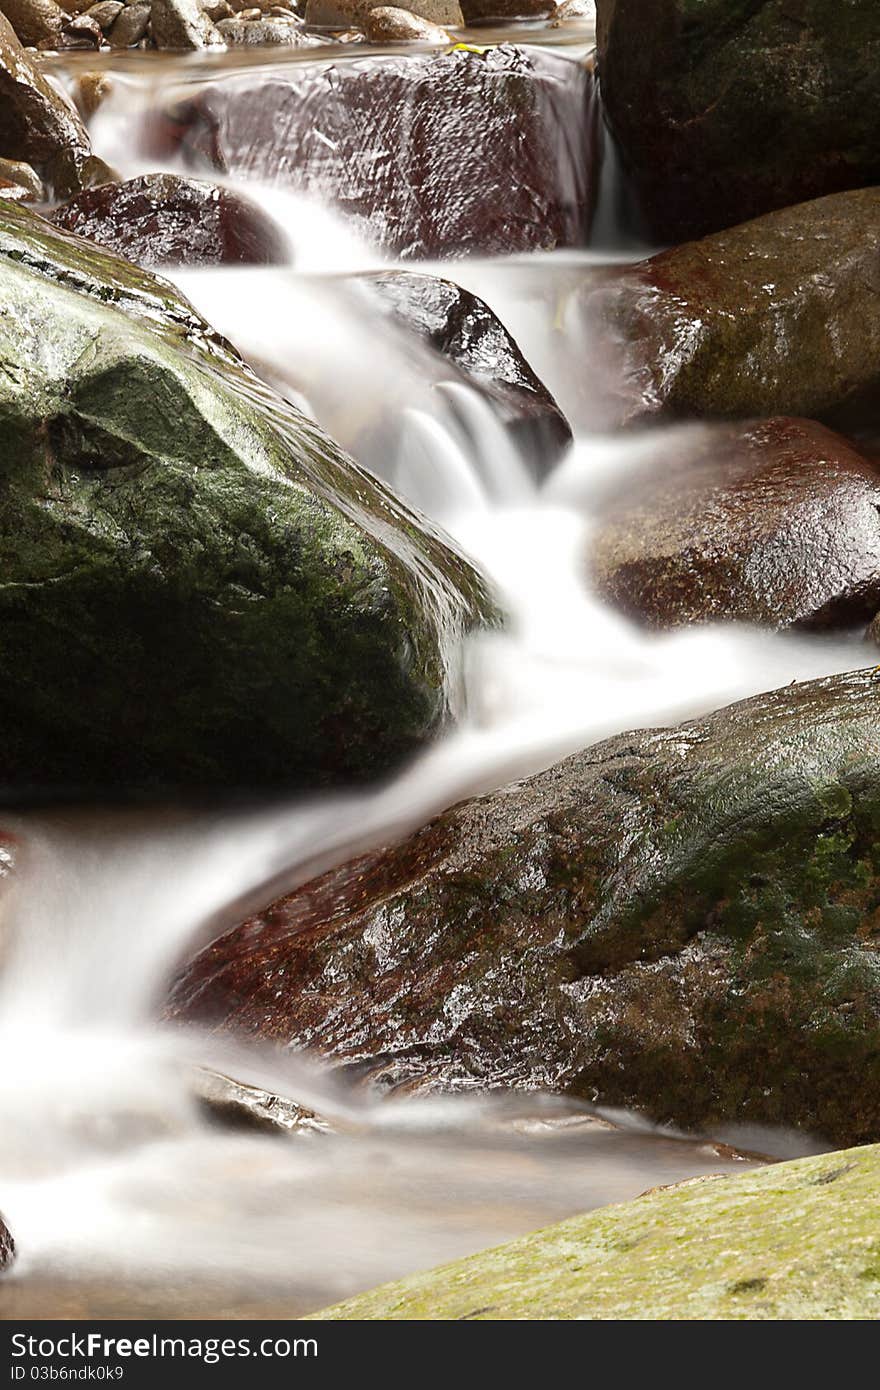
(162, 219)
(21, 175)
(427, 154)
(105, 13)
(238, 32)
(82, 32)
(726, 111)
(7, 1246)
(775, 522)
(90, 90)
(35, 21)
(130, 27)
(574, 9)
(387, 24)
(250, 1107)
(680, 921)
(793, 1241)
(36, 123)
(776, 317)
(242, 606)
(485, 11)
(218, 11)
(464, 330)
(181, 24)
(342, 14)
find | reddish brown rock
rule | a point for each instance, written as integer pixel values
(36, 123)
(426, 154)
(683, 921)
(161, 219)
(775, 522)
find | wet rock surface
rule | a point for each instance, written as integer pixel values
(681, 921)
(776, 522)
(726, 111)
(37, 124)
(426, 154)
(181, 24)
(794, 1241)
(242, 606)
(242, 1106)
(162, 219)
(388, 24)
(774, 317)
(342, 14)
(464, 331)
(36, 21)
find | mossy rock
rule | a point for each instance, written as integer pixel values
(199, 588)
(792, 1241)
(726, 109)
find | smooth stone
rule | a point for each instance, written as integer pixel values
(424, 154)
(342, 14)
(485, 11)
(466, 333)
(82, 32)
(162, 219)
(244, 1106)
(795, 1241)
(181, 24)
(724, 111)
(775, 522)
(35, 21)
(388, 24)
(243, 608)
(243, 33)
(780, 316)
(130, 27)
(37, 124)
(105, 13)
(21, 175)
(679, 921)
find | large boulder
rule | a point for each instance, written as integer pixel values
(200, 590)
(796, 1241)
(37, 124)
(682, 921)
(163, 219)
(724, 110)
(473, 340)
(775, 317)
(775, 522)
(427, 154)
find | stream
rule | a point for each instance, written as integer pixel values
(125, 1197)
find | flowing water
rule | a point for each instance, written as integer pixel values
(122, 1196)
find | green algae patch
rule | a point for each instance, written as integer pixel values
(791, 1241)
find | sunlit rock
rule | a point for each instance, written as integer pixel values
(464, 331)
(181, 24)
(162, 219)
(775, 522)
(35, 21)
(725, 111)
(240, 605)
(390, 24)
(680, 921)
(430, 154)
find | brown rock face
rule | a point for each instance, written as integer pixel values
(160, 219)
(389, 24)
(684, 921)
(36, 123)
(427, 154)
(775, 317)
(726, 109)
(462, 329)
(35, 21)
(775, 522)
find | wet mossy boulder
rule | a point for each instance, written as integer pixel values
(773, 522)
(199, 589)
(792, 1241)
(683, 921)
(726, 109)
(425, 154)
(778, 316)
(474, 342)
(163, 219)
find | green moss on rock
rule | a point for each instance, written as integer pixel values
(795, 1241)
(198, 588)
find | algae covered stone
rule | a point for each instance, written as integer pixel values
(795, 1240)
(682, 921)
(199, 589)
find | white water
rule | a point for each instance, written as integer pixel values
(106, 1168)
